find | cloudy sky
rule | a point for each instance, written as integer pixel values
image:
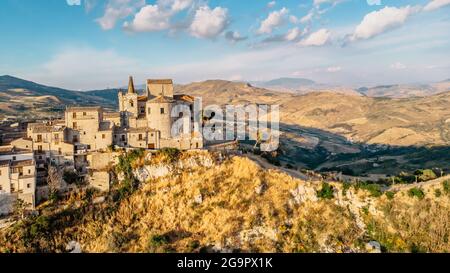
(87, 44)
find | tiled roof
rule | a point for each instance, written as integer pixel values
(111, 114)
(185, 98)
(141, 130)
(162, 99)
(159, 81)
(22, 163)
(85, 108)
(4, 163)
(47, 129)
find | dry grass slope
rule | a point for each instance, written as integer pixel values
(234, 205)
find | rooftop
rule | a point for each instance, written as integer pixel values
(111, 114)
(22, 163)
(84, 108)
(159, 81)
(162, 99)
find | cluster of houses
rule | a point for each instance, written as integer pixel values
(80, 142)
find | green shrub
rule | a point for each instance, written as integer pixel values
(373, 189)
(171, 154)
(437, 193)
(446, 186)
(390, 195)
(425, 175)
(71, 177)
(416, 192)
(327, 191)
(345, 188)
(158, 241)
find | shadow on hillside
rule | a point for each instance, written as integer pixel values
(321, 150)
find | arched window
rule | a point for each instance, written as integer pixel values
(131, 103)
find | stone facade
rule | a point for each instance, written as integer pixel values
(18, 174)
(144, 121)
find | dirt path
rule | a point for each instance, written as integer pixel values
(428, 183)
(266, 165)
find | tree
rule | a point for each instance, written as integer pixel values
(54, 181)
(19, 208)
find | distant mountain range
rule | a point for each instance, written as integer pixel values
(18, 96)
(22, 96)
(284, 83)
(405, 90)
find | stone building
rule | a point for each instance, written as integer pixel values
(18, 174)
(147, 119)
(75, 143)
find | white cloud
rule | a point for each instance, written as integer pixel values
(275, 19)
(293, 34)
(179, 5)
(307, 18)
(208, 23)
(374, 2)
(116, 10)
(149, 18)
(398, 66)
(318, 38)
(334, 69)
(436, 4)
(234, 36)
(271, 4)
(85, 68)
(293, 19)
(381, 21)
(320, 2)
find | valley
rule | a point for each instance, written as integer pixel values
(321, 131)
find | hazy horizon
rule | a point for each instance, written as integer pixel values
(89, 44)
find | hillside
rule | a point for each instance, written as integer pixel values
(22, 97)
(320, 130)
(406, 90)
(201, 202)
(324, 130)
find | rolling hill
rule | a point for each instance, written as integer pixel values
(22, 97)
(320, 130)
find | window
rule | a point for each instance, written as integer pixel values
(123, 137)
(140, 137)
(39, 138)
(74, 115)
(162, 111)
(149, 110)
(0, 175)
(74, 125)
(29, 171)
(142, 110)
(84, 114)
(59, 151)
(40, 148)
(1, 188)
(14, 157)
(103, 136)
(29, 186)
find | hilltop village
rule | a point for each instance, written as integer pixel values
(78, 145)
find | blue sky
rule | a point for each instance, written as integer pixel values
(87, 44)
